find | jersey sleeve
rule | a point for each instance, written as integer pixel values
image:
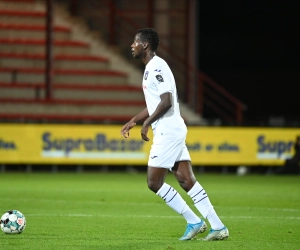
(162, 81)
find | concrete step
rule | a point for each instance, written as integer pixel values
(83, 95)
(29, 17)
(32, 75)
(38, 46)
(20, 93)
(25, 31)
(18, 4)
(23, 60)
(98, 94)
(65, 118)
(66, 92)
(61, 107)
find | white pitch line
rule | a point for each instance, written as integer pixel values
(152, 216)
(263, 208)
(146, 204)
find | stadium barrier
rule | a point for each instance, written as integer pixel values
(103, 144)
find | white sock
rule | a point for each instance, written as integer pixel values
(214, 220)
(174, 200)
(204, 206)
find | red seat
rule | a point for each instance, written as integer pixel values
(65, 71)
(31, 27)
(70, 86)
(19, 1)
(56, 57)
(69, 118)
(42, 42)
(22, 13)
(74, 102)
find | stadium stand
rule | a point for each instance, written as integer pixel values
(88, 83)
(84, 85)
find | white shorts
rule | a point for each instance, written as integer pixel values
(164, 154)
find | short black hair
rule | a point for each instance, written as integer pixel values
(151, 36)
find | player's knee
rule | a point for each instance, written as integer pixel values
(154, 186)
(186, 185)
(186, 182)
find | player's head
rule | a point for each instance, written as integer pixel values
(145, 39)
(150, 36)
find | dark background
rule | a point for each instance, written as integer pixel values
(252, 49)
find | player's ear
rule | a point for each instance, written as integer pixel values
(145, 45)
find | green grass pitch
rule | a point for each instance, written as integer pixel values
(117, 211)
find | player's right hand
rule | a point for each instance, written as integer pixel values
(126, 128)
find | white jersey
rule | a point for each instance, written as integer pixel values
(158, 79)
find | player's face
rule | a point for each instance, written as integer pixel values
(137, 47)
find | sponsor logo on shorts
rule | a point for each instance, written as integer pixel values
(152, 157)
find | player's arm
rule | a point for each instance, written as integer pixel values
(129, 125)
(162, 108)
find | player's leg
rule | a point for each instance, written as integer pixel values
(184, 174)
(158, 168)
(156, 178)
(156, 183)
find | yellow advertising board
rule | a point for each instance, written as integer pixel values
(103, 144)
(241, 146)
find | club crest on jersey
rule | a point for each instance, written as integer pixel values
(159, 78)
(146, 75)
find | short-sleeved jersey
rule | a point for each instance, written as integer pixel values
(158, 79)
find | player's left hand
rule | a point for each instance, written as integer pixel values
(144, 132)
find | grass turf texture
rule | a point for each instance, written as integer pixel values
(117, 211)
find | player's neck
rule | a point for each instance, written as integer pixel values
(149, 55)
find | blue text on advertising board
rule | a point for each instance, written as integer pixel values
(98, 143)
